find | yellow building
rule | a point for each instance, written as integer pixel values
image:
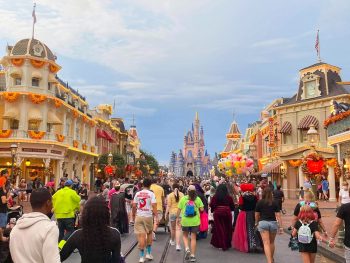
(48, 120)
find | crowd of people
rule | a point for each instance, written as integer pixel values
(245, 216)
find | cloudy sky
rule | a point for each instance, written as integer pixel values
(163, 60)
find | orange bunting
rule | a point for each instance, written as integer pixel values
(17, 61)
(36, 135)
(5, 133)
(11, 96)
(37, 98)
(37, 63)
(60, 137)
(336, 118)
(53, 68)
(331, 162)
(295, 163)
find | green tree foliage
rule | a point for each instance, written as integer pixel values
(150, 160)
(118, 160)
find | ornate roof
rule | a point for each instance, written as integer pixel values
(234, 128)
(32, 47)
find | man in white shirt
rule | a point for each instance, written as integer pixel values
(34, 239)
(144, 208)
(344, 197)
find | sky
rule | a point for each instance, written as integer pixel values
(163, 60)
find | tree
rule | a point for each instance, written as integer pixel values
(118, 160)
(150, 160)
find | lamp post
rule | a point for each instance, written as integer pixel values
(13, 148)
(313, 137)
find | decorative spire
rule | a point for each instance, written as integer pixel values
(197, 116)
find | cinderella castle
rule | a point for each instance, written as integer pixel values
(193, 159)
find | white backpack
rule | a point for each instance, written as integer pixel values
(304, 233)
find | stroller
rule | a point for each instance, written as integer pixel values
(14, 212)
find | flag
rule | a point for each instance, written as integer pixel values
(33, 14)
(317, 44)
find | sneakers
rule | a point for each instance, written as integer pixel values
(142, 260)
(172, 243)
(187, 254)
(149, 257)
(178, 248)
(193, 258)
(154, 236)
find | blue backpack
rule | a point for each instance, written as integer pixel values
(190, 209)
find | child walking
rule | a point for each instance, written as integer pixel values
(306, 229)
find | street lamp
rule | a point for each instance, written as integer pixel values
(110, 159)
(313, 136)
(13, 148)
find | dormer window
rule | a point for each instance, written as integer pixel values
(35, 82)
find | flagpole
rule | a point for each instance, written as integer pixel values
(319, 46)
(34, 20)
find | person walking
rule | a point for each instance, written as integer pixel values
(325, 188)
(96, 241)
(66, 202)
(144, 209)
(222, 205)
(268, 221)
(278, 196)
(160, 197)
(34, 238)
(344, 197)
(189, 207)
(3, 207)
(306, 229)
(173, 200)
(119, 215)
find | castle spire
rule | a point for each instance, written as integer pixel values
(197, 116)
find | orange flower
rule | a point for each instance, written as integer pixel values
(37, 98)
(58, 103)
(17, 61)
(5, 133)
(36, 135)
(11, 96)
(60, 137)
(37, 63)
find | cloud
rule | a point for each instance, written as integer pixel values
(285, 42)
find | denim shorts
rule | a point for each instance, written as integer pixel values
(3, 220)
(270, 226)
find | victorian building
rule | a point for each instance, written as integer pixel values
(234, 141)
(193, 159)
(43, 116)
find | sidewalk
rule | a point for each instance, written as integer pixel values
(328, 215)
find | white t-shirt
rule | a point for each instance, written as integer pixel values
(144, 200)
(344, 194)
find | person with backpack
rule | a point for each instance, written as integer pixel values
(189, 207)
(306, 230)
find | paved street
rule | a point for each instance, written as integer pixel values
(206, 253)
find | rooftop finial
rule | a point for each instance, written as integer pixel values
(34, 19)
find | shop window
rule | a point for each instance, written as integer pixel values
(33, 125)
(18, 81)
(303, 135)
(49, 86)
(35, 82)
(14, 124)
(49, 127)
(287, 138)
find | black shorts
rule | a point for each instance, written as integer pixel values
(192, 229)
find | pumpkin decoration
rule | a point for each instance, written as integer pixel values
(85, 119)
(60, 137)
(92, 123)
(17, 61)
(84, 147)
(53, 68)
(37, 63)
(75, 114)
(75, 144)
(11, 96)
(5, 133)
(295, 163)
(58, 103)
(332, 162)
(92, 149)
(37, 98)
(36, 135)
(336, 118)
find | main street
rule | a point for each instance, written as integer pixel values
(162, 252)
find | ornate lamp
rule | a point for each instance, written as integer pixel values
(313, 136)
(27, 162)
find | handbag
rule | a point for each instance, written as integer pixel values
(204, 225)
(293, 243)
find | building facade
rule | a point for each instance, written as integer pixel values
(193, 159)
(234, 141)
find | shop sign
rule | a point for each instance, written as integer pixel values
(339, 127)
(5, 149)
(56, 152)
(271, 133)
(34, 150)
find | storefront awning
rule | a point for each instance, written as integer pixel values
(53, 119)
(305, 122)
(108, 136)
(34, 115)
(100, 134)
(11, 113)
(16, 72)
(286, 128)
(270, 167)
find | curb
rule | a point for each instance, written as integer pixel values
(325, 251)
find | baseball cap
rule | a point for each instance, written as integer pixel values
(191, 188)
(69, 182)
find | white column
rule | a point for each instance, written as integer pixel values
(74, 129)
(64, 130)
(285, 186)
(23, 123)
(301, 176)
(331, 180)
(44, 122)
(58, 173)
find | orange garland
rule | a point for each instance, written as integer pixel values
(5, 133)
(58, 103)
(36, 135)
(11, 96)
(75, 144)
(295, 163)
(60, 137)
(53, 68)
(37, 98)
(85, 119)
(92, 123)
(336, 118)
(37, 63)
(331, 162)
(17, 61)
